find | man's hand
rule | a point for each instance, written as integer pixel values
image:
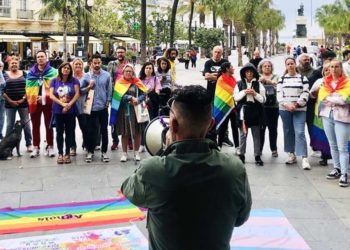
(13, 103)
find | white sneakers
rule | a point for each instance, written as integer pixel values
(124, 157)
(35, 152)
(137, 156)
(50, 152)
(142, 149)
(291, 159)
(30, 148)
(305, 164)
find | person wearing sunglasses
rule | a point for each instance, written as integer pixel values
(192, 183)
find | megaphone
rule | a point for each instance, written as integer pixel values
(155, 135)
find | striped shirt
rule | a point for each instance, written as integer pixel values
(293, 89)
(15, 89)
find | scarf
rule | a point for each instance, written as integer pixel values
(120, 88)
(223, 100)
(35, 79)
(342, 88)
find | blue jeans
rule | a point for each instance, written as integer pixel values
(24, 116)
(2, 115)
(338, 135)
(294, 132)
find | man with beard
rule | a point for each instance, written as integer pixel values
(115, 70)
(99, 111)
(304, 67)
(16, 101)
(38, 98)
(171, 55)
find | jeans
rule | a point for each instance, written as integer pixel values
(223, 128)
(36, 121)
(64, 124)
(294, 132)
(2, 115)
(256, 140)
(97, 119)
(271, 122)
(338, 135)
(24, 116)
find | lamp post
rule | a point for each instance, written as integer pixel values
(158, 48)
(79, 49)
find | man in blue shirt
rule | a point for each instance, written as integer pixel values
(102, 86)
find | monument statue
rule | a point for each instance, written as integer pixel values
(301, 10)
(301, 23)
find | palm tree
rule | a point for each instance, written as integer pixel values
(172, 22)
(143, 30)
(62, 8)
(276, 23)
(192, 2)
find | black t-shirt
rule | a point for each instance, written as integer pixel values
(213, 67)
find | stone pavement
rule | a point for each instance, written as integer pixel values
(316, 207)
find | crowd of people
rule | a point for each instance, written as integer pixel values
(302, 95)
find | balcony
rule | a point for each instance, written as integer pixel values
(25, 14)
(5, 11)
(47, 18)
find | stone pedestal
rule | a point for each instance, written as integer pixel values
(301, 27)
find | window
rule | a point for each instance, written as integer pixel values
(5, 8)
(23, 4)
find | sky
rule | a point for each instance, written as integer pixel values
(290, 10)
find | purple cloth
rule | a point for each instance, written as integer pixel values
(152, 83)
(65, 92)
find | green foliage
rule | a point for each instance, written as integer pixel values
(208, 38)
(132, 16)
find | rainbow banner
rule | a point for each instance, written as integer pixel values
(267, 229)
(223, 100)
(69, 215)
(121, 238)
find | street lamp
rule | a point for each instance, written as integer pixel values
(79, 49)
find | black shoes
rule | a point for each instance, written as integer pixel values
(227, 141)
(334, 174)
(323, 162)
(258, 161)
(242, 157)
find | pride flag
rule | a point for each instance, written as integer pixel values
(223, 100)
(69, 215)
(34, 80)
(120, 88)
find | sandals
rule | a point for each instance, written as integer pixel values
(60, 159)
(67, 159)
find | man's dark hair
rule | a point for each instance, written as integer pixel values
(142, 74)
(120, 47)
(194, 103)
(96, 56)
(167, 54)
(328, 54)
(40, 51)
(345, 53)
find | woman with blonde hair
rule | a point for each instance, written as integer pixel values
(334, 108)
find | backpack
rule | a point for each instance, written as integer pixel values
(271, 95)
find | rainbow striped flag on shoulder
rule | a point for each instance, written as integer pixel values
(120, 88)
(223, 100)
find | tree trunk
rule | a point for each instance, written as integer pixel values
(231, 35)
(271, 44)
(172, 22)
(143, 32)
(86, 31)
(239, 29)
(65, 19)
(264, 42)
(190, 25)
(201, 18)
(214, 17)
(226, 23)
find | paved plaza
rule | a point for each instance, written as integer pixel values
(318, 208)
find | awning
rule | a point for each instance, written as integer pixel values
(73, 39)
(13, 38)
(126, 39)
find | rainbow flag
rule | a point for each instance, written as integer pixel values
(33, 79)
(120, 88)
(69, 215)
(223, 100)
